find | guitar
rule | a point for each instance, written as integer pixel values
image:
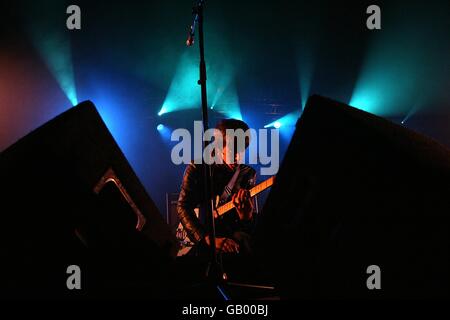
(186, 244)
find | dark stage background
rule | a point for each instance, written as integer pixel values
(263, 58)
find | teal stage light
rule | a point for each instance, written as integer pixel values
(53, 45)
(184, 91)
(162, 111)
(403, 66)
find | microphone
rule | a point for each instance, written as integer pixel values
(190, 39)
(191, 33)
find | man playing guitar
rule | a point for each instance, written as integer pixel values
(231, 182)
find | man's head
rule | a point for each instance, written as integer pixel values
(235, 139)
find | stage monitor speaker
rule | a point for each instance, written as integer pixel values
(360, 209)
(70, 197)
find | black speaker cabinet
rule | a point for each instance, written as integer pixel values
(70, 197)
(357, 192)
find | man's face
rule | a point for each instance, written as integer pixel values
(229, 153)
(229, 156)
(228, 146)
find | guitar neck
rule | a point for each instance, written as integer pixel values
(253, 192)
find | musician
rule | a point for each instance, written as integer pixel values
(231, 182)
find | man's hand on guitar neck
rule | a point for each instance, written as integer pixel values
(243, 203)
(226, 245)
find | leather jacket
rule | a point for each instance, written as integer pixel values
(192, 196)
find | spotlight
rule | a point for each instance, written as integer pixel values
(160, 127)
(162, 111)
(286, 121)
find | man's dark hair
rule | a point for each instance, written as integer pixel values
(234, 124)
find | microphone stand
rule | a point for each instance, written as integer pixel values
(214, 274)
(214, 271)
